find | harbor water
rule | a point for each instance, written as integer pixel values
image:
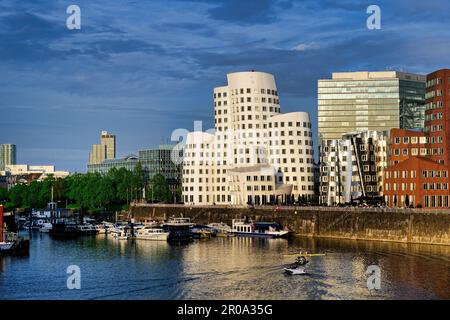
(223, 268)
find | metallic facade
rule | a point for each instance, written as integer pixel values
(352, 168)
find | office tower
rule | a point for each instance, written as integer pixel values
(352, 168)
(109, 141)
(7, 155)
(105, 150)
(362, 101)
(256, 154)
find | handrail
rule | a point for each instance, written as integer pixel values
(297, 208)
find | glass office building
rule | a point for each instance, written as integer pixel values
(375, 101)
(153, 161)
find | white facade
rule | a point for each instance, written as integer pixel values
(25, 169)
(250, 135)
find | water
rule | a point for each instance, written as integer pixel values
(223, 268)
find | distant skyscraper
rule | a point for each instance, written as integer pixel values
(105, 150)
(7, 155)
(361, 101)
(109, 141)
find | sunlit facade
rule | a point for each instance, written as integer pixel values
(362, 101)
(256, 155)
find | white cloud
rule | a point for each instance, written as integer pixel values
(306, 46)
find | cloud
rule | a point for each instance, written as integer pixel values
(141, 69)
(306, 46)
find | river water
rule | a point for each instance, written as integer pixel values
(223, 268)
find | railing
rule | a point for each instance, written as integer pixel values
(298, 208)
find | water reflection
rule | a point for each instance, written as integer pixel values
(224, 268)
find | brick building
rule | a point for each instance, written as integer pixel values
(419, 162)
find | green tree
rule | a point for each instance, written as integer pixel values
(159, 189)
(18, 195)
(3, 195)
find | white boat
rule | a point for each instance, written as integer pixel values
(101, 229)
(121, 236)
(295, 271)
(45, 227)
(220, 227)
(121, 233)
(5, 246)
(179, 222)
(149, 233)
(298, 267)
(108, 226)
(247, 227)
(86, 229)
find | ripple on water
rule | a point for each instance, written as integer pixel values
(234, 268)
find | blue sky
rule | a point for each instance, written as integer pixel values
(141, 69)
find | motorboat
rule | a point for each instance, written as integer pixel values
(6, 245)
(201, 232)
(150, 233)
(108, 226)
(123, 234)
(221, 229)
(46, 227)
(64, 229)
(295, 271)
(179, 229)
(86, 229)
(298, 267)
(247, 227)
(101, 228)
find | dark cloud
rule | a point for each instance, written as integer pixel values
(246, 12)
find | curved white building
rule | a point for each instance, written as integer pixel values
(257, 154)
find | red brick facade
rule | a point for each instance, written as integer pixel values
(419, 162)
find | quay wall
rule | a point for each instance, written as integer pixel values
(399, 225)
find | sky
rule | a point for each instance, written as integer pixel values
(141, 69)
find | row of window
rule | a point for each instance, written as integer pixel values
(413, 140)
(434, 105)
(246, 100)
(246, 91)
(333, 189)
(367, 178)
(412, 174)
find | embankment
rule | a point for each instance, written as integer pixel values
(407, 226)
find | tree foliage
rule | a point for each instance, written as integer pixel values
(91, 191)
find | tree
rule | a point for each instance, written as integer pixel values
(3, 195)
(159, 189)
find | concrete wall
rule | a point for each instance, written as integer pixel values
(408, 226)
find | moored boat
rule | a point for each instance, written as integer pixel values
(247, 227)
(179, 229)
(101, 229)
(150, 233)
(221, 229)
(86, 229)
(122, 233)
(201, 232)
(46, 227)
